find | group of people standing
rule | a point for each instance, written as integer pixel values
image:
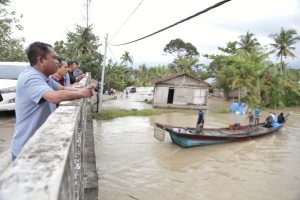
(269, 120)
(67, 74)
(41, 84)
(252, 117)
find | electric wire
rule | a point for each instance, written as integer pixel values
(126, 20)
(112, 53)
(179, 22)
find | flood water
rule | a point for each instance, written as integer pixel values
(132, 164)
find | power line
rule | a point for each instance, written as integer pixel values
(112, 53)
(179, 22)
(126, 20)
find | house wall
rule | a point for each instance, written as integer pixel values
(160, 95)
(200, 96)
(182, 96)
(187, 91)
(186, 96)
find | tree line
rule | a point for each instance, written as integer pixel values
(243, 65)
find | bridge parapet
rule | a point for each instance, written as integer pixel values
(51, 165)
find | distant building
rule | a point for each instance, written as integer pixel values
(211, 82)
(180, 91)
(217, 92)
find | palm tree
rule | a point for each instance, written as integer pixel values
(143, 74)
(82, 42)
(126, 57)
(161, 71)
(82, 45)
(185, 65)
(284, 42)
(236, 84)
(273, 91)
(248, 42)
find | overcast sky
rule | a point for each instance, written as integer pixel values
(49, 21)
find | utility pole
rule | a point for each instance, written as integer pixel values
(102, 74)
(87, 12)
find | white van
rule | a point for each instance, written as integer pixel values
(9, 72)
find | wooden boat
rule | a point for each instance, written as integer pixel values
(188, 137)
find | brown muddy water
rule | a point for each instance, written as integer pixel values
(132, 164)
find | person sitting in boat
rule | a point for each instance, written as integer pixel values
(200, 121)
(270, 119)
(273, 116)
(280, 118)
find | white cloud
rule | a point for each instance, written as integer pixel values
(49, 21)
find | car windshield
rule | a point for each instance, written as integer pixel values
(10, 71)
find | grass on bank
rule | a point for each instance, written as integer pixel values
(111, 113)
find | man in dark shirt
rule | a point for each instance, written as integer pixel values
(200, 121)
(72, 66)
(280, 118)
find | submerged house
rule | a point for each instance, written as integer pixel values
(180, 91)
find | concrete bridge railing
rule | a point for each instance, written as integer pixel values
(58, 162)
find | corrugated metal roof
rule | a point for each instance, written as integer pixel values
(174, 76)
(210, 81)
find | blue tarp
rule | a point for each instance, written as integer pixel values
(276, 124)
(239, 108)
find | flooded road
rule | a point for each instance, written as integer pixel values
(7, 127)
(132, 164)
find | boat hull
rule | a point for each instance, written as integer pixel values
(186, 137)
(193, 142)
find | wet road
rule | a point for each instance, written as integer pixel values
(7, 127)
(133, 165)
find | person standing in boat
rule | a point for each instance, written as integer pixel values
(200, 121)
(251, 118)
(257, 114)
